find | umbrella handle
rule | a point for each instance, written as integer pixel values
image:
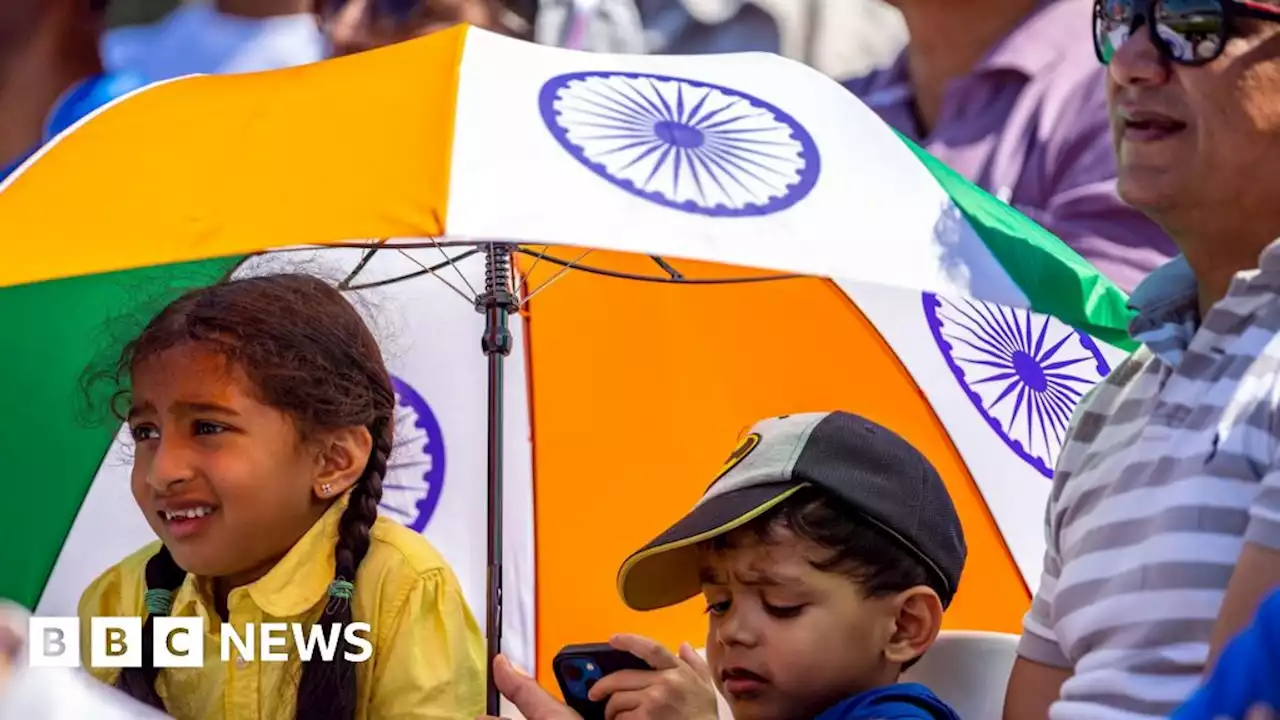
(497, 302)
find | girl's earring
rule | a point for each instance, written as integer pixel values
(326, 489)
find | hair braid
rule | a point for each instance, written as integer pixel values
(163, 577)
(327, 690)
(362, 507)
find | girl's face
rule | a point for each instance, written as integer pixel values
(222, 478)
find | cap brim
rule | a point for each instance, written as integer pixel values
(665, 571)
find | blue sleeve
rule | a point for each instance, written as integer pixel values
(903, 701)
(1248, 672)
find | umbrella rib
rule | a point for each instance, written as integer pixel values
(364, 260)
(523, 288)
(664, 280)
(416, 274)
(433, 271)
(559, 274)
(457, 269)
(670, 270)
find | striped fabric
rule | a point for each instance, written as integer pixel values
(1169, 467)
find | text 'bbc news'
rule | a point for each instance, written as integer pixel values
(116, 642)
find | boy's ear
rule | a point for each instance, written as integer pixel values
(918, 622)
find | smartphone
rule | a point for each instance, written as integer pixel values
(579, 667)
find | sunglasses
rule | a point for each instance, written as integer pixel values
(1187, 32)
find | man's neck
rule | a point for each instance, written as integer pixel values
(263, 8)
(1222, 245)
(32, 80)
(1215, 267)
(948, 39)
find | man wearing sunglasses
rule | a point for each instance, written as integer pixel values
(1004, 93)
(353, 26)
(50, 73)
(1164, 519)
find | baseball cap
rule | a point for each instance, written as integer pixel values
(891, 485)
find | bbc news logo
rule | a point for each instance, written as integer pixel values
(178, 642)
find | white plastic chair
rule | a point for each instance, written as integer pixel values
(968, 670)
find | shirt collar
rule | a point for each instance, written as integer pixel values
(302, 576)
(1168, 296)
(299, 580)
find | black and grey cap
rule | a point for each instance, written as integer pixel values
(891, 484)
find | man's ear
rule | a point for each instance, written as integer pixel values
(919, 618)
(342, 456)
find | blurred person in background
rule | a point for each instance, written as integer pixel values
(838, 37)
(1007, 94)
(668, 27)
(223, 36)
(847, 38)
(353, 26)
(50, 72)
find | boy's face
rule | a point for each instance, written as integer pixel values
(785, 640)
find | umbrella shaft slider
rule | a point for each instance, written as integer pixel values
(497, 301)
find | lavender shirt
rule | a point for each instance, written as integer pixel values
(1029, 125)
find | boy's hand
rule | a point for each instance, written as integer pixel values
(527, 695)
(677, 688)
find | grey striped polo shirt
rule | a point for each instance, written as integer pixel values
(1169, 466)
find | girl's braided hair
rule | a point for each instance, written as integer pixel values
(308, 353)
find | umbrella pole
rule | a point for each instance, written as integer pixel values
(497, 302)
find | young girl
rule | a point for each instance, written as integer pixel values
(262, 415)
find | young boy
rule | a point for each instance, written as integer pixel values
(826, 550)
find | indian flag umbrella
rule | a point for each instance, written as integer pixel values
(699, 242)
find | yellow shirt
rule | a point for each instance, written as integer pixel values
(428, 652)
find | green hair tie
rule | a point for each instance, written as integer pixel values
(159, 601)
(341, 589)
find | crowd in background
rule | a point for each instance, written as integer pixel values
(994, 88)
(839, 37)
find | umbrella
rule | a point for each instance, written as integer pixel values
(745, 237)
